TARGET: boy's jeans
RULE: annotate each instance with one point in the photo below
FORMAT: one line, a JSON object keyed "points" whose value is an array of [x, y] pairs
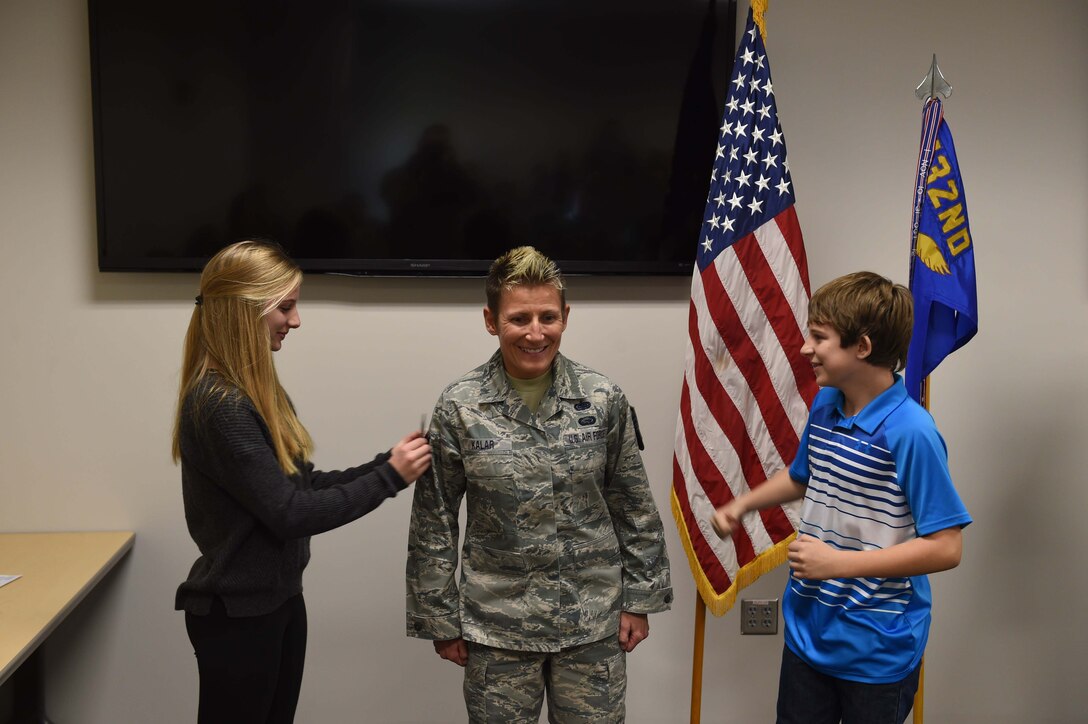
{"points": [[805, 696]]}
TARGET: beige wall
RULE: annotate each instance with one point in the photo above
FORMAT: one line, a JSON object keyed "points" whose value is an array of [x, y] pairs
{"points": [[89, 368]]}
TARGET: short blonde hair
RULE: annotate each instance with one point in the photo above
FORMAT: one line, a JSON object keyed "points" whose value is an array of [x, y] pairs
{"points": [[227, 332], [867, 304], [522, 266]]}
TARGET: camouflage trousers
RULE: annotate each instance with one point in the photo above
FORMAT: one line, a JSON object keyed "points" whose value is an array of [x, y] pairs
{"points": [[584, 684]]}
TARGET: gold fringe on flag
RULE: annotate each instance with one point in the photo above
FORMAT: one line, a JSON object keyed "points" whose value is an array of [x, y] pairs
{"points": [[720, 603]]}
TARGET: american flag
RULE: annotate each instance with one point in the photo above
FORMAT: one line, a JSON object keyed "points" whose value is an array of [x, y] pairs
{"points": [[747, 389]]}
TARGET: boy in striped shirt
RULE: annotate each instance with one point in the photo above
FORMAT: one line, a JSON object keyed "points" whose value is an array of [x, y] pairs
{"points": [[879, 513]]}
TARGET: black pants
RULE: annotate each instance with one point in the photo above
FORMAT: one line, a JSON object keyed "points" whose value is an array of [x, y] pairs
{"points": [[251, 667], [805, 696]]}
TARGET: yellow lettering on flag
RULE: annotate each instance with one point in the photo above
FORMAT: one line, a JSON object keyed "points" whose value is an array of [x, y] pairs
{"points": [[952, 193], [952, 218], [939, 169], [959, 241]]}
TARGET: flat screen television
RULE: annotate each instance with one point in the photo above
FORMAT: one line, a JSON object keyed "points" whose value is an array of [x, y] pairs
{"points": [[407, 137]]}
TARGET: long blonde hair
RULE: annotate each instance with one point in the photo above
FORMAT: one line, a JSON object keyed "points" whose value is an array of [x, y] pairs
{"points": [[227, 333]]}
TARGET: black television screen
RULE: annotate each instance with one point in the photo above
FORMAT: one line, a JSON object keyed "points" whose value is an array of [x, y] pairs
{"points": [[407, 136]]}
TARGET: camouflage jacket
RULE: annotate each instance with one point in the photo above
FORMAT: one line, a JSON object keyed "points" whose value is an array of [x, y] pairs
{"points": [[562, 533]]}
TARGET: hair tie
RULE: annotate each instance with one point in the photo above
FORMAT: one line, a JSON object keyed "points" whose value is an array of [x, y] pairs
{"points": [[199, 299]]}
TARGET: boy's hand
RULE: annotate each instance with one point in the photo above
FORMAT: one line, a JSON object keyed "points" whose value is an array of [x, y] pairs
{"points": [[726, 519], [812, 558]]}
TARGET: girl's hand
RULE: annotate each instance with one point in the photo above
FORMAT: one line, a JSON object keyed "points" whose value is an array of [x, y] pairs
{"points": [[411, 457]]}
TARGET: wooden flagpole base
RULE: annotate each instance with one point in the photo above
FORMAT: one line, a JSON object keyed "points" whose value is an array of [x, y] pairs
{"points": [[697, 660], [919, 696]]}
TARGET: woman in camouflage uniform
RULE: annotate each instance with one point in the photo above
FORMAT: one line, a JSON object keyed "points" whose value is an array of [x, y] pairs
{"points": [[564, 553]]}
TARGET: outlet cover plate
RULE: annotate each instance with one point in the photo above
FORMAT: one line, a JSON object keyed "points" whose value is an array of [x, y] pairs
{"points": [[759, 616]]}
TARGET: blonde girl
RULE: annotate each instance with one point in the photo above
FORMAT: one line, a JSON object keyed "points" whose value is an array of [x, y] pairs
{"points": [[252, 497]]}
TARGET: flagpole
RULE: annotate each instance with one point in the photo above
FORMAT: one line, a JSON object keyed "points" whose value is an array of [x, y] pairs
{"points": [[933, 85], [920, 694], [700, 604], [714, 453], [697, 659]]}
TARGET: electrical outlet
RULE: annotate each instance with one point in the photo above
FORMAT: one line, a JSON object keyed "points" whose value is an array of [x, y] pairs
{"points": [[759, 616]]}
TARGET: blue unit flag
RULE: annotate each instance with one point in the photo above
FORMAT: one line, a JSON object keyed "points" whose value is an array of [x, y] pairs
{"points": [[942, 268]]}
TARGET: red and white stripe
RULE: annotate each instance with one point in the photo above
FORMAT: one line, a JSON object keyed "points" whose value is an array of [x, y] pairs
{"points": [[746, 394]]}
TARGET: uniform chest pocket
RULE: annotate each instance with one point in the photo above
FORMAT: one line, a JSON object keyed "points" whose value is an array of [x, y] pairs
{"points": [[587, 458], [490, 464], [586, 448]]}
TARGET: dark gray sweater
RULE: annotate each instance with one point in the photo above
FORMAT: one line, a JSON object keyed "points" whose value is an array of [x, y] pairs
{"points": [[251, 521]]}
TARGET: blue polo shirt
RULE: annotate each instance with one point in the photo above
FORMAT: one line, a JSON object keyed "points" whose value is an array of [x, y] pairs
{"points": [[872, 480]]}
